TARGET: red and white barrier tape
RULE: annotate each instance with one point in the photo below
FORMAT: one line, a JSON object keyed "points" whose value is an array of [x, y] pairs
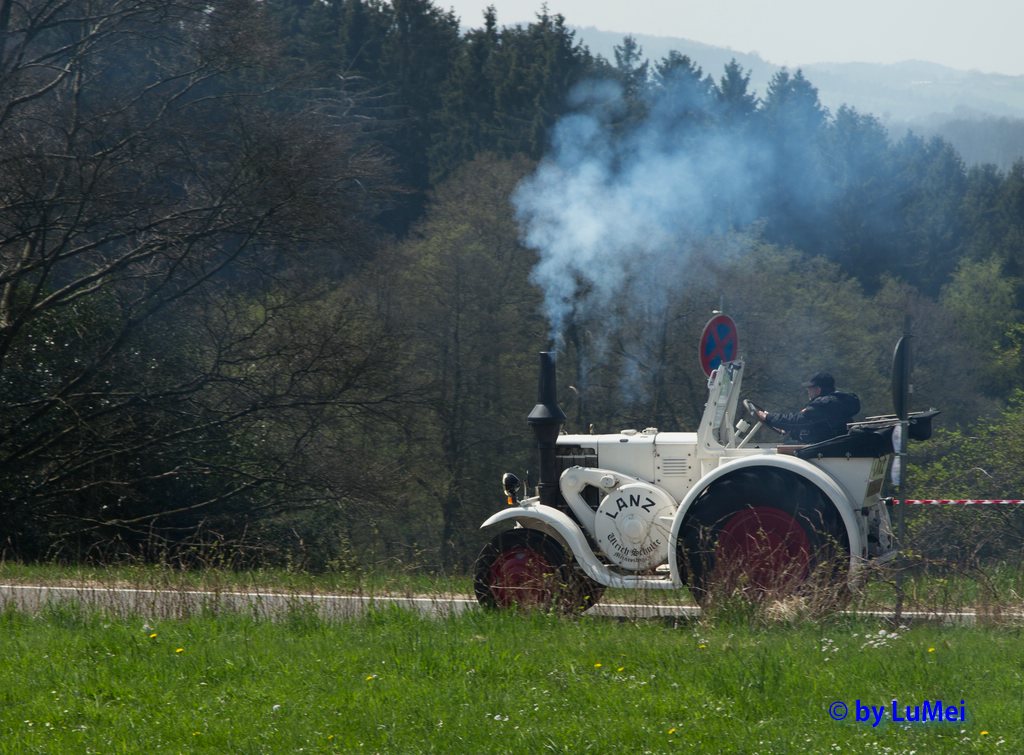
{"points": [[964, 501]]}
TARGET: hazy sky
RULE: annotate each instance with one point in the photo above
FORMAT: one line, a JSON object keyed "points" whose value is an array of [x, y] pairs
{"points": [[983, 35]]}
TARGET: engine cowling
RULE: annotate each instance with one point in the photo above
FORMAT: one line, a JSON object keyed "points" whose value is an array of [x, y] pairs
{"points": [[633, 526]]}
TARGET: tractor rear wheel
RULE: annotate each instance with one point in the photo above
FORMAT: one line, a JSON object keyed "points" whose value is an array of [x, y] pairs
{"points": [[527, 569], [762, 533]]}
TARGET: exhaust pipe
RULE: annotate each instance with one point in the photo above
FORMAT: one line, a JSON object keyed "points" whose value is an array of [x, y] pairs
{"points": [[546, 420]]}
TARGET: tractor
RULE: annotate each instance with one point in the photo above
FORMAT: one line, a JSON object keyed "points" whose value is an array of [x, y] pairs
{"points": [[653, 510]]}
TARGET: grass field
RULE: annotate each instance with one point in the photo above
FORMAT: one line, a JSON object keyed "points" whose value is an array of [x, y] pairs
{"points": [[75, 680]]}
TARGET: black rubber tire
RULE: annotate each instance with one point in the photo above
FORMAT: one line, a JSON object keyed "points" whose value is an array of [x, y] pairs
{"points": [[530, 570], [764, 532]]}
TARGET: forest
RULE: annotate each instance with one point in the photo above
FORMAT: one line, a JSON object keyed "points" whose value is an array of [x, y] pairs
{"points": [[274, 273]]}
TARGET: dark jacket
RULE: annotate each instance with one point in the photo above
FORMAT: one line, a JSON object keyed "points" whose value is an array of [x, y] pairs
{"points": [[824, 417]]}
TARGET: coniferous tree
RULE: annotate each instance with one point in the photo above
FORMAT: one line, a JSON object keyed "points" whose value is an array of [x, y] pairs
{"points": [[930, 180], [983, 223], [632, 69], [362, 33], [1009, 220], [738, 104], [418, 50], [466, 124], [538, 68], [681, 91], [863, 220], [798, 195]]}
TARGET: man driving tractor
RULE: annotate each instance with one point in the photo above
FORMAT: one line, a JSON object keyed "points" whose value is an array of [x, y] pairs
{"points": [[825, 416]]}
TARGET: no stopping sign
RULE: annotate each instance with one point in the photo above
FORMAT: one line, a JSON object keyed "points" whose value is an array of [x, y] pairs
{"points": [[718, 343]]}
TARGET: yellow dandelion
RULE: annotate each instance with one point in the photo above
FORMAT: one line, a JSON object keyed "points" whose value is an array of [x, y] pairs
{"points": [[702, 647], [672, 730], [180, 650], [621, 669], [984, 733], [597, 665], [152, 636], [931, 650]]}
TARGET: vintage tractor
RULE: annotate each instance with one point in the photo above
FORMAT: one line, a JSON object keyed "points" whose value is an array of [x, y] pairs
{"points": [[662, 510]]}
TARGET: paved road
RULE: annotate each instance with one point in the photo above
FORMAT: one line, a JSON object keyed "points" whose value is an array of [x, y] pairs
{"points": [[158, 604], [181, 603]]}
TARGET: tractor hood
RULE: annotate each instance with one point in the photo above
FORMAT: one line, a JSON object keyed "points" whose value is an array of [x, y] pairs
{"points": [[668, 459]]}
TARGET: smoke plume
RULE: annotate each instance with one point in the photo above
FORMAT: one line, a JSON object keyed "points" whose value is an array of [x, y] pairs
{"points": [[616, 207]]}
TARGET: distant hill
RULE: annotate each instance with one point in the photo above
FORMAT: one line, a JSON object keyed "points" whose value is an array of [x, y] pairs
{"points": [[981, 114]]}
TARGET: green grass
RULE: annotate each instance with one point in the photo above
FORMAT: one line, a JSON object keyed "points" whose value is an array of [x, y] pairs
{"points": [[942, 586], [73, 680]]}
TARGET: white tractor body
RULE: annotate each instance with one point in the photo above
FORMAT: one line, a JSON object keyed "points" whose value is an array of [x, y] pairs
{"points": [[627, 503]]}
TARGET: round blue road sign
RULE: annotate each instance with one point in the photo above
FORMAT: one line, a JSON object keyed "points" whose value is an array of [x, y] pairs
{"points": [[719, 343]]}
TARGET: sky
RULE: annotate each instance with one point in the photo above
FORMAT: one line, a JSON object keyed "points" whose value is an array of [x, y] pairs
{"points": [[979, 35]]}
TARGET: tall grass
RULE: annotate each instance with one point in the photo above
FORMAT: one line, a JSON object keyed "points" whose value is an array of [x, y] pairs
{"points": [[78, 680]]}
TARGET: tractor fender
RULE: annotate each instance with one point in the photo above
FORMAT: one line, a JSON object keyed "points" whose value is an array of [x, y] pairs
{"points": [[808, 471], [534, 515]]}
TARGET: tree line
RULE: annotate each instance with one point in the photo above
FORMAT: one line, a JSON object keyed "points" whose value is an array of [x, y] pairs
{"points": [[264, 288]]}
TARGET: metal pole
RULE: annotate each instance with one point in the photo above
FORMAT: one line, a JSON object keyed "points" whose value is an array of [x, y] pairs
{"points": [[901, 391]]}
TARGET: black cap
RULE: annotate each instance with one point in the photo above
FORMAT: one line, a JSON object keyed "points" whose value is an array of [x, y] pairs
{"points": [[822, 380]]}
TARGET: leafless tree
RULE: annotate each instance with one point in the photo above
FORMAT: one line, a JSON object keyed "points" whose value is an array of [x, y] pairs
{"points": [[180, 216]]}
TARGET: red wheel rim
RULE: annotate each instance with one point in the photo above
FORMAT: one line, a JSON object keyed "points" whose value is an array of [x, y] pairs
{"points": [[521, 576], [765, 545]]}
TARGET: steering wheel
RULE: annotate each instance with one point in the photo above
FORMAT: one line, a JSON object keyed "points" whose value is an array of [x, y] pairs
{"points": [[752, 409]]}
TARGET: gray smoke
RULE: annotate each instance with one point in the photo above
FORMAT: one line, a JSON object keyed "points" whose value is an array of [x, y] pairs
{"points": [[615, 211]]}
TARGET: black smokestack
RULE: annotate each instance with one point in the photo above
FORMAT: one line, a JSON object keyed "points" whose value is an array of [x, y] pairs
{"points": [[546, 420]]}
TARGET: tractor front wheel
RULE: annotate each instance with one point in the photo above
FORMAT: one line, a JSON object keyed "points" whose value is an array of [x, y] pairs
{"points": [[527, 569]]}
